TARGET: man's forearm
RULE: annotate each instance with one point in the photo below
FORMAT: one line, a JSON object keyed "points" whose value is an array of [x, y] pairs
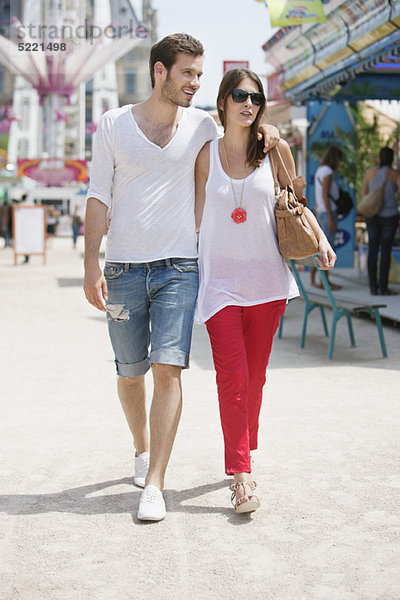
{"points": [[95, 226]]}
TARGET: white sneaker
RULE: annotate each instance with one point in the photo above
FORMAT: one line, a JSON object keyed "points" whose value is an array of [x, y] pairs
{"points": [[141, 468], [151, 505]]}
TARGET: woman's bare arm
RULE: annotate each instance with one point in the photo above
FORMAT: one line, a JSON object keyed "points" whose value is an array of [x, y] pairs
{"points": [[328, 257], [288, 160], [366, 182], [201, 176], [326, 186]]}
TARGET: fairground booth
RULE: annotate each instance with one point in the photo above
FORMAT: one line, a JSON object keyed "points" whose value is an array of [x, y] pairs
{"points": [[328, 68]]}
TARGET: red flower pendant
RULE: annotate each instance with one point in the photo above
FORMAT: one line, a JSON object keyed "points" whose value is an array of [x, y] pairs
{"points": [[239, 215]]}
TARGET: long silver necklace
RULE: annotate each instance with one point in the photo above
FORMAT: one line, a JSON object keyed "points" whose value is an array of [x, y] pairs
{"points": [[239, 215]]}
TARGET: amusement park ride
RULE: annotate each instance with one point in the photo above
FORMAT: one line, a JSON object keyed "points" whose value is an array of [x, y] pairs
{"points": [[54, 50]]}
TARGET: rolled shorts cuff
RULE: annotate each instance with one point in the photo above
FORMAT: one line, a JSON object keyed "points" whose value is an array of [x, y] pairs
{"points": [[134, 369], [170, 356]]}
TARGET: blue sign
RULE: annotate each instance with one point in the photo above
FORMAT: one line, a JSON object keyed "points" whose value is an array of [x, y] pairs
{"points": [[323, 118]]}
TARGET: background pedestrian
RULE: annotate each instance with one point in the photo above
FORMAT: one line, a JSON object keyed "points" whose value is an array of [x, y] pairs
{"points": [[382, 227], [326, 192]]}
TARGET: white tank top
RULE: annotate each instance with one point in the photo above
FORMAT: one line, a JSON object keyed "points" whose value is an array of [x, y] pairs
{"points": [[239, 264]]}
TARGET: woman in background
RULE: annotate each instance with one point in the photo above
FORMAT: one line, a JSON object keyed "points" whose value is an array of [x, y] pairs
{"points": [[382, 228], [326, 193], [76, 222]]}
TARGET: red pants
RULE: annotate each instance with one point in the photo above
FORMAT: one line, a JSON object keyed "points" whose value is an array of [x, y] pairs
{"points": [[241, 341]]}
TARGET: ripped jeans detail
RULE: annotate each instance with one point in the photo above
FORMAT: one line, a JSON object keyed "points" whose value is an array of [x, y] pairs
{"points": [[117, 312]]}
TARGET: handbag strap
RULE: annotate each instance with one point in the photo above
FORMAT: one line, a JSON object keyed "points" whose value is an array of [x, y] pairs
{"points": [[382, 186], [274, 152], [271, 160]]}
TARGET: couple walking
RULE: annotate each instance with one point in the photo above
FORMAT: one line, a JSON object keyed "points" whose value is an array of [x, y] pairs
{"points": [[160, 170]]}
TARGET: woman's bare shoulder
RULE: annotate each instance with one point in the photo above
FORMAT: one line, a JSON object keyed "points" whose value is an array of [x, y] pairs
{"points": [[283, 145], [370, 174], [394, 176]]}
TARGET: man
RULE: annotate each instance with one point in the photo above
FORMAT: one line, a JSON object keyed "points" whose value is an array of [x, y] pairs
{"points": [[145, 154], [6, 223]]}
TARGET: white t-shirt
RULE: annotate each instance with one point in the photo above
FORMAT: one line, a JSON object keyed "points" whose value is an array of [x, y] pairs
{"points": [[240, 264], [322, 172], [149, 190]]}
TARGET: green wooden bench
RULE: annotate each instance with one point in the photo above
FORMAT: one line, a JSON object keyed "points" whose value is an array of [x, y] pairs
{"points": [[341, 307]]}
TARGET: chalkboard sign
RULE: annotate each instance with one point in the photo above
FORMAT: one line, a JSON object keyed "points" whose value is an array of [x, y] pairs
{"points": [[29, 230]]}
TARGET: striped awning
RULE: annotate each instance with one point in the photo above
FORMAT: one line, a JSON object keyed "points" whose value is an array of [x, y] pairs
{"points": [[311, 61]]}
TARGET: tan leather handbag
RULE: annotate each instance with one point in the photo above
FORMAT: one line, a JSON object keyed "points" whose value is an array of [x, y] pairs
{"points": [[296, 238], [371, 203]]}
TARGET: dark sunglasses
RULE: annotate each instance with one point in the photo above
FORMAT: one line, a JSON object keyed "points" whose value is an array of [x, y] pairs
{"points": [[241, 96]]}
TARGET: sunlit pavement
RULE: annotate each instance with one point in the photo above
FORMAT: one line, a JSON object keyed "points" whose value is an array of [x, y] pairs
{"points": [[327, 465]]}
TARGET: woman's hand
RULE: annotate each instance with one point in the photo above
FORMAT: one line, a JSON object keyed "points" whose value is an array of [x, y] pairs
{"points": [[327, 258], [270, 134]]}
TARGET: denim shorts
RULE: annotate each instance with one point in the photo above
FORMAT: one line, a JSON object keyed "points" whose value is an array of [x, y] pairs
{"points": [[150, 310]]}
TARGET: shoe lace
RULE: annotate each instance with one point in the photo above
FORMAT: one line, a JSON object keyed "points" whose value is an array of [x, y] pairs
{"points": [[143, 464], [151, 496]]}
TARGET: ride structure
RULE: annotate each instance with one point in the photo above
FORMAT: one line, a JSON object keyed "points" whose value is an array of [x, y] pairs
{"points": [[57, 47]]}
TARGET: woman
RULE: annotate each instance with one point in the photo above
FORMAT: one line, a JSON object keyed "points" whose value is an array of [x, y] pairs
{"points": [[326, 193], [244, 282], [382, 228], [52, 221]]}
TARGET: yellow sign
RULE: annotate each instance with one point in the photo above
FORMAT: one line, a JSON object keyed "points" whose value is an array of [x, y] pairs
{"points": [[3, 158], [295, 12]]}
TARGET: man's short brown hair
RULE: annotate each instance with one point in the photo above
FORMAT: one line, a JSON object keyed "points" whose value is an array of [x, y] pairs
{"points": [[167, 49]]}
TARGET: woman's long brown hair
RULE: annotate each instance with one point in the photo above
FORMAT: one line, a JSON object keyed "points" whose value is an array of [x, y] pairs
{"points": [[332, 157], [231, 80]]}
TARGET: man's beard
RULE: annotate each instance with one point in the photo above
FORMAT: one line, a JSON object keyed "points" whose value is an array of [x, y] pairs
{"points": [[170, 92]]}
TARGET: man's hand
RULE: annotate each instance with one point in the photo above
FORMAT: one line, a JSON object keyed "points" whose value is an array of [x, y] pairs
{"points": [[95, 287], [328, 258], [270, 134]]}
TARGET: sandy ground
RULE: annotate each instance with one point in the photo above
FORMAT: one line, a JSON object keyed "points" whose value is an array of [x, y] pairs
{"points": [[327, 467]]}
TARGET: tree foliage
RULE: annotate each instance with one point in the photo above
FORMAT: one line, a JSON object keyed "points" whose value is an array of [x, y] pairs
{"points": [[360, 148], [4, 142]]}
